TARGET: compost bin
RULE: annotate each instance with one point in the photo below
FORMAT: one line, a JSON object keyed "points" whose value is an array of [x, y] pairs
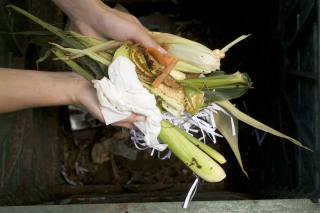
{"points": [[55, 156]]}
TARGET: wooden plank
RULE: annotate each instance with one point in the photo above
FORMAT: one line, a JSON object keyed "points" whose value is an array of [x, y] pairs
{"points": [[294, 205]]}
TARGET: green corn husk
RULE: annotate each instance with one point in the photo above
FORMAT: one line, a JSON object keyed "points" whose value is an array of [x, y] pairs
{"points": [[224, 125], [73, 65], [222, 87], [220, 81], [207, 149], [70, 41], [199, 162], [252, 122], [87, 52]]}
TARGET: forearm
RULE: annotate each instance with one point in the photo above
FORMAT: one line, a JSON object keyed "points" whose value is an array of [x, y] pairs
{"points": [[21, 89]]}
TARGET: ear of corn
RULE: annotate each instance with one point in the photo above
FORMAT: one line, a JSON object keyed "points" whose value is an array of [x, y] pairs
{"points": [[191, 155], [179, 76], [171, 105], [222, 86], [207, 149], [194, 56]]}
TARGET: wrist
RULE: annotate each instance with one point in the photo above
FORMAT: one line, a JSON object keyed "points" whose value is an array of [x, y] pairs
{"points": [[84, 95], [77, 86]]}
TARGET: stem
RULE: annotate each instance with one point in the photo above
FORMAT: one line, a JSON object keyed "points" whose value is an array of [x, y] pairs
{"points": [[226, 48]]}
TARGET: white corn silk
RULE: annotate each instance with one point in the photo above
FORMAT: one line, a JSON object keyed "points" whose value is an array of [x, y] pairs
{"points": [[122, 94]]}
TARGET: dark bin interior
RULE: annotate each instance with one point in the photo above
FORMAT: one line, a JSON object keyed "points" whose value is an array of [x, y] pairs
{"points": [[45, 161]]}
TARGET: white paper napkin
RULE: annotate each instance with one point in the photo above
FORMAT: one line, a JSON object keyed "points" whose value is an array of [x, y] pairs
{"points": [[122, 94]]}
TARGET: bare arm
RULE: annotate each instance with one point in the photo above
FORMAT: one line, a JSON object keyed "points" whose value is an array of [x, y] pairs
{"points": [[21, 89]]}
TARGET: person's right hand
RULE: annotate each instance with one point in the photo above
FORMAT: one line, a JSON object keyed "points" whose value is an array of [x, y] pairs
{"points": [[96, 19]]}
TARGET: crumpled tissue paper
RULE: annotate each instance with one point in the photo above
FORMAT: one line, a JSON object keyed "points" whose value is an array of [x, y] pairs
{"points": [[122, 94]]}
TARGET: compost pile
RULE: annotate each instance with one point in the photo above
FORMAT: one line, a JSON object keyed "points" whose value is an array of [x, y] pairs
{"points": [[108, 156]]}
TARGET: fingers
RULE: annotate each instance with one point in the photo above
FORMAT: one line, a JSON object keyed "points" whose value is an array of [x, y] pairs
{"points": [[128, 122], [87, 30], [146, 41], [126, 125], [85, 96], [140, 35], [136, 31], [134, 118]]}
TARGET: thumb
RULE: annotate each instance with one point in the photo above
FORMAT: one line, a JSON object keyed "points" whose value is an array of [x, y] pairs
{"points": [[128, 122], [146, 41]]}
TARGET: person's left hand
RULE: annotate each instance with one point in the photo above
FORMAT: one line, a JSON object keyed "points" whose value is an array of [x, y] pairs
{"points": [[85, 96]]}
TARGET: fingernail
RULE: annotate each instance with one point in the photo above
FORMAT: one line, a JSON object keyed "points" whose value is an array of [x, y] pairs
{"points": [[161, 50], [140, 118]]}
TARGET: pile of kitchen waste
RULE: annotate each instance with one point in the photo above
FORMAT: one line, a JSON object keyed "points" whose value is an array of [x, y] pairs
{"points": [[183, 93]]}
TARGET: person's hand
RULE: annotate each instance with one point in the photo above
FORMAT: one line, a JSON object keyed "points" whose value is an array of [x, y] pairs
{"points": [[96, 19], [85, 96], [22, 89]]}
